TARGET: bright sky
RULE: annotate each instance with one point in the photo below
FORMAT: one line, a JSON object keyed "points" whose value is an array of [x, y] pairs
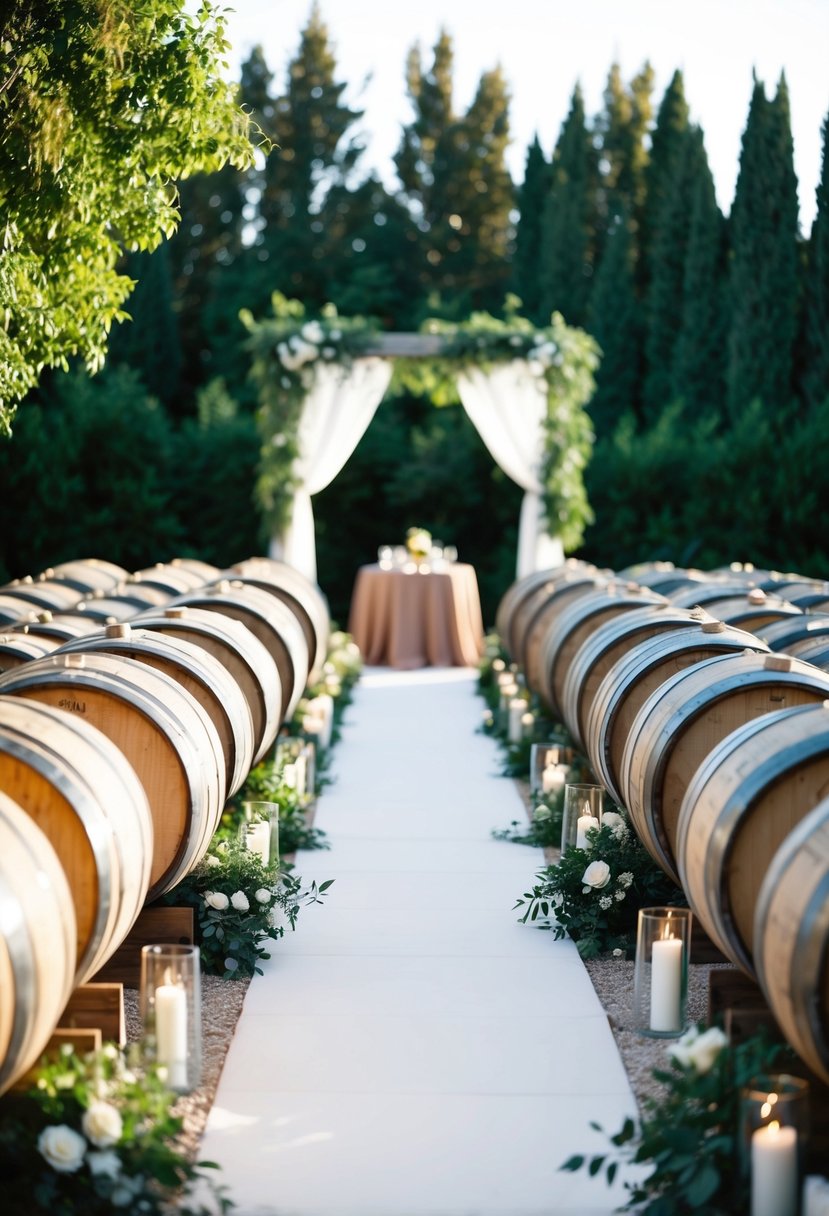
{"points": [[545, 46]]}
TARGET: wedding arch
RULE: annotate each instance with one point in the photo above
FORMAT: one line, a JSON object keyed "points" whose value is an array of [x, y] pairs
{"points": [[320, 381]]}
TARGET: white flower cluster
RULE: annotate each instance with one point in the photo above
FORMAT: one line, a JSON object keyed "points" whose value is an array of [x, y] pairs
{"points": [[67, 1150], [698, 1049], [306, 346], [239, 901], [542, 355], [616, 823]]}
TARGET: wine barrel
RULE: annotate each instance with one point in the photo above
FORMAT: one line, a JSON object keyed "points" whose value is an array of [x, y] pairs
{"points": [[15, 611], [207, 572], [165, 734], [754, 611], [17, 648], [510, 625], [140, 595], [685, 717], [609, 643], [783, 635], [104, 610], [750, 792], [633, 678], [271, 621], [664, 577], [807, 594], [813, 650], [791, 935], [37, 942], [58, 628], [236, 648], [706, 594], [88, 575], [304, 598], [37, 596], [170, 577], [204, 677], [86, 798], [544, 612], [574, 624]]}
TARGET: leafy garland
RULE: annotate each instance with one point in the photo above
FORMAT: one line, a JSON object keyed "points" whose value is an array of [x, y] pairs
{"points": [[286, 348]]}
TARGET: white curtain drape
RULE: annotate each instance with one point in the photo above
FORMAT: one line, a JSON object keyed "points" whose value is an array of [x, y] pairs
{"points": [[334, 418], [507, 405]]}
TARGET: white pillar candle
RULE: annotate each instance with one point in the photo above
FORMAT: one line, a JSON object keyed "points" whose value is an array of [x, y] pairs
{"points": [[584, 823], [774, 1171], [527, 724], [552, 779], [289, 776], [171, 1033], [516, 713], [258, 840], [666, 984], [301, 769]]}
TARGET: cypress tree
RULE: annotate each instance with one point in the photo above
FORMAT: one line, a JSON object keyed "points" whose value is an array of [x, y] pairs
{"points": [[663, 305], [567, 247], [456, 185], [666, 149], [763, 274], [621, 127], [526, 265], [816, 372], [311, 124], [614, 320], [699, 362]]}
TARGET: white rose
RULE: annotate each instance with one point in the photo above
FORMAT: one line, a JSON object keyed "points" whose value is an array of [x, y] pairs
{"points": [[611, 820], [105, 1165], [240, 901], [596, 875], [698, 1051], [541, 813], [263, 895], [215, 899], [102, 1124], [211, 861], [312, 331], [62, 1147]]}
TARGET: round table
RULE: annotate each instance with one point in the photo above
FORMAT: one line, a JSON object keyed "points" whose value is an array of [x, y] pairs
{"points": [[417, 616]]}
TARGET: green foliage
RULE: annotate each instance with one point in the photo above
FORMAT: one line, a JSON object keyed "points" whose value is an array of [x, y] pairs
{"points": [[149, 341], [113, 1120], [615, 321], [763, 232], [531, 201], [690, 1133], [102, 106], [568, 237], [816, 355], [599, 917], [239, 904]]}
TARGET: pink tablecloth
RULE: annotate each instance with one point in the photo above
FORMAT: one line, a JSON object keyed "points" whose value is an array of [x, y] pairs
{"points": [[414, 618]]}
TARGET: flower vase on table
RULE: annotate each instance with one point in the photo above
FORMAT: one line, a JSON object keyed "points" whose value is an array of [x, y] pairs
{"points": [[418, 544]]}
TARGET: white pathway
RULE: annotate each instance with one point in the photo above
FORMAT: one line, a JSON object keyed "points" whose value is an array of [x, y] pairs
{"points": [[412, 1050]]}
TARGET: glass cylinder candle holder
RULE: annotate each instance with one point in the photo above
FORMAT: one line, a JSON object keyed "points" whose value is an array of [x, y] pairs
{"points": [[582, 812], [774, 1116], [549, 767], [660, 977], [815, 1199], [260, 830], [170, 1009]]}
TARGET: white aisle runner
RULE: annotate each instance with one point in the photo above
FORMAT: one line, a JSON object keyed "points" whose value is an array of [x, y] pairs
{"points": [[412, 1050]]}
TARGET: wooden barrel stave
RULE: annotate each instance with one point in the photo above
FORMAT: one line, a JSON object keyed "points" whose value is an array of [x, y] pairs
{"points": [[304, 598]]}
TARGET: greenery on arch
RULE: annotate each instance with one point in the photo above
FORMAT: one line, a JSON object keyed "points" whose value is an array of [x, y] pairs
{"points": [[288, 346]]}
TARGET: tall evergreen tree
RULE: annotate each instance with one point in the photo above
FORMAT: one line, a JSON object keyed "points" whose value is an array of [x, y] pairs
{"points": [[150, 342], [526, 263], [569, 223], [667, 146], [699, 361], [663, 305], [621, 127], [816, 371], [455, 183], [763, 272], [614, 320], [311, 124]]}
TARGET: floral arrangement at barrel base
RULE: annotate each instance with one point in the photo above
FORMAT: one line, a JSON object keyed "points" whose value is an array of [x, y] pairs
{"points": [[240, 904], [594, 894], [543, 831], [690, 1133], [94, 1135]]}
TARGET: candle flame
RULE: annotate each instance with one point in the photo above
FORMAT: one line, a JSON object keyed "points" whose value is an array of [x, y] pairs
{"points": [[774, 1127]]}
